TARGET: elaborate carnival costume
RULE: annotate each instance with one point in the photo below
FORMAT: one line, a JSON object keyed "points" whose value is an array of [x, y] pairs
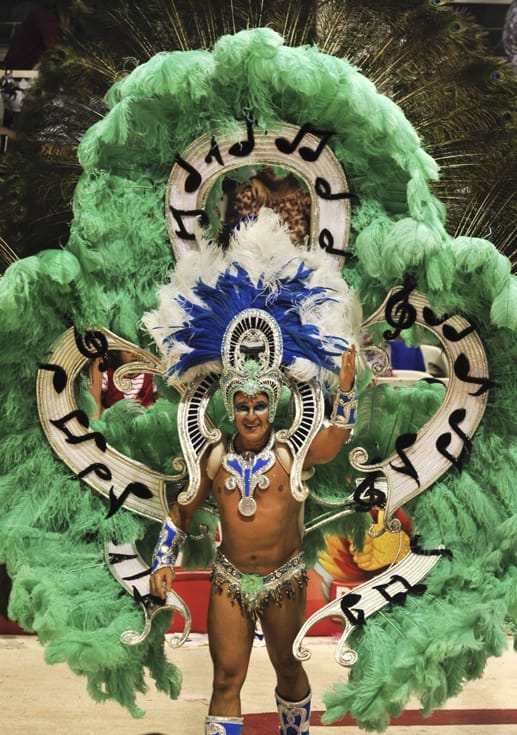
{"points": [[454, 440], [253, 326]]}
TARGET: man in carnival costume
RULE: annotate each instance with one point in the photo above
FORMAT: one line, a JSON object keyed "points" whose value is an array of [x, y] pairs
{"points": [[259, 572]]}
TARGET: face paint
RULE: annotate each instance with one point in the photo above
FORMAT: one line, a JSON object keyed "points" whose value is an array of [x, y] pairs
{"points": [[251, 418]]}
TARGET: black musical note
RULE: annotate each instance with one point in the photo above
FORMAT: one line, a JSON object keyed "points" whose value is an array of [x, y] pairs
{"points": [[431, 318], [400, 597], [326, 242], [133, 488], [138, 575], [444, 440], [404, 441], [178, 215], [91, 344], [417, 549], [323, 190], [193, 180], [143, 599], [399, 312], [462, 371], [102, 472], [214, 152], [244, 147], [346, 604], [82, 418], [451, 334], [59, 379], [308, 154], [147, 600], [368, 496], [117, 558]]}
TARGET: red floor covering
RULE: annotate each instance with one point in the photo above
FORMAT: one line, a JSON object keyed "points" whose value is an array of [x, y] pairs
{"points": [[262, 724]]}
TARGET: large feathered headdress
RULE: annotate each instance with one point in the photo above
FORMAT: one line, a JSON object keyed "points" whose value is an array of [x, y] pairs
{"points": [[293, 302]]}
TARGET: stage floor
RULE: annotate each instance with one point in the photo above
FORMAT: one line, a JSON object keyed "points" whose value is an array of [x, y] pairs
{"points": [[50, 700]]}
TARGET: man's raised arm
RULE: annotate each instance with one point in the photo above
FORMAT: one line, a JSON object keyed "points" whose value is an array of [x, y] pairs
{"points": [[327, 443]]}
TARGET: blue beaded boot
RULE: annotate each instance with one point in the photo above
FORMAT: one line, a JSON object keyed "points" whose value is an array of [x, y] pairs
{"points": [[223, 725], [295, 717]]}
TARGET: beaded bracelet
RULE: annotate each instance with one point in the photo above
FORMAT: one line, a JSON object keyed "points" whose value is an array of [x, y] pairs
{"points": [[167, 547], [344, 409]]}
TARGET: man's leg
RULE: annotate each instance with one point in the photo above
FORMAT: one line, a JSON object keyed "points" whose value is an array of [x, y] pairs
{"points": [[230, 636], [280, 626]]}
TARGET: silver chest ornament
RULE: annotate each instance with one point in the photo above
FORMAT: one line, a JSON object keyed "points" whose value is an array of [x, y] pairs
{"points": [[247, 471]]}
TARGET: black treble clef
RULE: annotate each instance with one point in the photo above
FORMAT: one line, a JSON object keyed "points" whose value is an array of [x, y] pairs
{"points": [[399, 312], [92, 344]]}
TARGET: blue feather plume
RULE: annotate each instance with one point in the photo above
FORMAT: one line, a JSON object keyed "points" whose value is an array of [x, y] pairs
{"points": [[205, 324]]}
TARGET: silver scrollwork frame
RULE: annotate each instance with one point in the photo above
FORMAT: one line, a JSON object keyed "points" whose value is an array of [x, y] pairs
{"points": [[195, 173], [456, 420], [69, 434]]}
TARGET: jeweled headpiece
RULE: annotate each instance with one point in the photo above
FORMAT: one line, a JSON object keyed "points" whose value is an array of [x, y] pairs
{"points": [[251, 353]]}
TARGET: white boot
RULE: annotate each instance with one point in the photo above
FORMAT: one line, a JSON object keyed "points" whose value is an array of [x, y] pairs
{"points": [[295, 717], [223, 725]]}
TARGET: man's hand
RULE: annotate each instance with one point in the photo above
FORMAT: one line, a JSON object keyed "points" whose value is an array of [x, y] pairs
{"points": [[161, 581], [347, 370]]}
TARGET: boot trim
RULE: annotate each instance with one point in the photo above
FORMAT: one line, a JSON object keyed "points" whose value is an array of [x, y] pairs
{"points": [[215, 725]]}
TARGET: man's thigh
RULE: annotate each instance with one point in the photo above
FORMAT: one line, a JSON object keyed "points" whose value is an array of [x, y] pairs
{"points": [[230, 633], [281, 624]]}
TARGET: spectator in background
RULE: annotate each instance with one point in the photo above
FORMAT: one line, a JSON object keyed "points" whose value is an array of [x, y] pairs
{"points": [[395, 354], [37, 32], [40, 30], [403, 357], [106, 393], [281, 191]]}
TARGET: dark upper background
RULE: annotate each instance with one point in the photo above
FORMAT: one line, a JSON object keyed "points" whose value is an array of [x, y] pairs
{"points": [[488, 14]]}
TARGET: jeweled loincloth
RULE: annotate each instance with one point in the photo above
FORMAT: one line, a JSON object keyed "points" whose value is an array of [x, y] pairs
{"points": [[254, 592]]}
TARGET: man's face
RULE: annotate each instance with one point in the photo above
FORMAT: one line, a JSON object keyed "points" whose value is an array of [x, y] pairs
{"points": [[251, 417]]}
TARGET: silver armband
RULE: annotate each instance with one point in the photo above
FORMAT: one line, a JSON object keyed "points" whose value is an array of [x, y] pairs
{"points": [[168, 546], [343, 414]]}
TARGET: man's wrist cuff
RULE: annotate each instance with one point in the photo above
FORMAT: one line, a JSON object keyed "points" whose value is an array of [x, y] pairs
{"points": [[168, 545], [344, 411]]}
